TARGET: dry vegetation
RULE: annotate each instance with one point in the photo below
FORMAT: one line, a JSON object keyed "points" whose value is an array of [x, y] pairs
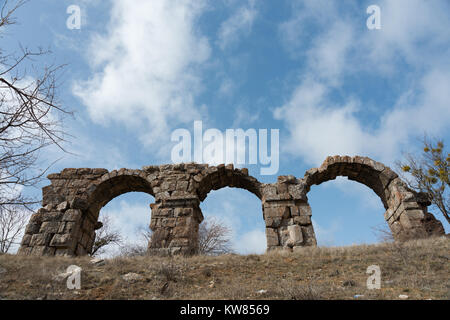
{"points": [[419, 269]]}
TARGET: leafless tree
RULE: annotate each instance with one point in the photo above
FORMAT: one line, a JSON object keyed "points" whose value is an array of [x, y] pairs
{"points": [[106, 235], [13, 220], [140, 248], [214, 238], [383, 233], [30, 116]]}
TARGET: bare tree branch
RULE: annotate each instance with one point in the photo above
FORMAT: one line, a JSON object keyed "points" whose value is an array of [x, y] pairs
{"points": [[214, 238], [105, 236], [13, 220], [30, 116]]}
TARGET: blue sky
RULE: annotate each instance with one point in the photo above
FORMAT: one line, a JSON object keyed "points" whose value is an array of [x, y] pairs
{"points": [[137, 70]]}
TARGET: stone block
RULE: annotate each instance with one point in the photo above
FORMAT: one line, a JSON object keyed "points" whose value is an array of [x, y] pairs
{"points": [[72, 215], [32, 228], [409, 222], [416, 214], [40, 239], [49, 227], [305, 209], [62, 206], [297, 191], [302, 220], [42, 251], [273, 222], [179, 242], [309, 236], [295, 211], [282, 188], [295, 236], [78, 203], [272, 237], [52, 216], [26, 240], [69, 227], [61, 241]]}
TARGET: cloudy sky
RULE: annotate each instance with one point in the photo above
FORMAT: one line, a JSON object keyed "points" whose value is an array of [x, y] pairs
{"points": [[137, 70]]}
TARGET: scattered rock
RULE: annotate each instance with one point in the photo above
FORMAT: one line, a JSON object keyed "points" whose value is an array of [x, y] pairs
{"points": [[132, 277], [2, 270], [262, 291], [349, 283]]}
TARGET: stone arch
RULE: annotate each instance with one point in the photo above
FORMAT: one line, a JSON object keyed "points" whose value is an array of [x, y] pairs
{"points": [[98, 194], [215, 178], [66, 223], [222, 176], [371, 173], [114, 184], [406, 210]]}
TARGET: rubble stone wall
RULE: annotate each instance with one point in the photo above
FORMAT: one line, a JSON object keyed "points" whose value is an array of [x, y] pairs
{"points": [[66, 223]]}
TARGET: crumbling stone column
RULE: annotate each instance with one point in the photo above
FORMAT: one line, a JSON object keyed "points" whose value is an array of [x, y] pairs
{"points": [[287, 215], [407, 214], [62, 226], [175, 223]]}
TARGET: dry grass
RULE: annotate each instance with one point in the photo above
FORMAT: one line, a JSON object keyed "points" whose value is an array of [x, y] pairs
{"points": [[419, 269]]}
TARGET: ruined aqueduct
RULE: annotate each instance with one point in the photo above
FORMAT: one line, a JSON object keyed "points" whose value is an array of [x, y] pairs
{"points": [[66, 223]]}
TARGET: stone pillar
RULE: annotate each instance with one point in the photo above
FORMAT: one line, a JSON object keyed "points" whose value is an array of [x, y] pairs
{"points": [[53, 230], [58, 227], [175, 223], [287, 215], [408, 215]]}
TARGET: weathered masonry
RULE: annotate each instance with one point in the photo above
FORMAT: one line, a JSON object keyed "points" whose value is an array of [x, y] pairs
{"points": [[66, 223]]}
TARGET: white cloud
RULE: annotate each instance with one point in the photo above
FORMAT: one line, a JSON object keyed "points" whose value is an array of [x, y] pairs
{"points": [[411, 31], [252, 242], [318, 126], [326, 236], [328, 54], [86, 151], [238, 25], [146, 67], [242, 215], [243, 117], [294, 33], [362, 196], [227, 87], [128, 219]]}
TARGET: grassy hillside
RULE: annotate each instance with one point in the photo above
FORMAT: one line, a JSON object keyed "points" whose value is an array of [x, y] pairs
{"points": [[418, 269]]}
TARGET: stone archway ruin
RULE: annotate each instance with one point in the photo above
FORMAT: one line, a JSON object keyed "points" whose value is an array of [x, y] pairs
{"points": [[66, 223]]}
